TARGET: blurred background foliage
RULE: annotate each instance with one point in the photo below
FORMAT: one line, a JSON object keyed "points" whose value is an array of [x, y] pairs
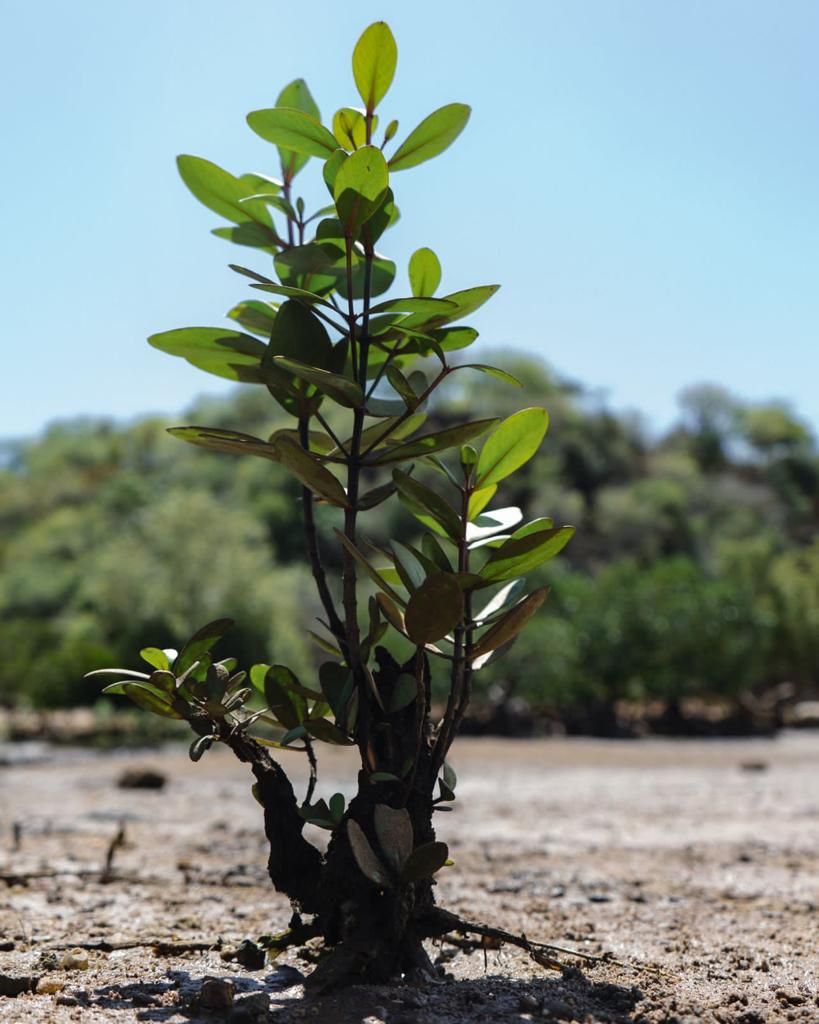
{"points": [[694, 572]]}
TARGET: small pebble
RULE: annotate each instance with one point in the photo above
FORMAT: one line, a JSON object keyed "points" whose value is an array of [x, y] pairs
{"points": [[74, 960], [216, 994], [49, 986], [141, 778]]}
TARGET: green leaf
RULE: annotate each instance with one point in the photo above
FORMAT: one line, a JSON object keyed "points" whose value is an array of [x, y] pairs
{"points": [[337, 804], [435, 553], [410, 570], [491, 371], [415, 305], [341, 389], [496, 521], [508, 595], [257, 236], [220, 191], [439, 441], [147, 699], [360, 187], [366, 858], [431, 137], [392, 613], [511, 624], [424, 272], [202, 641], [510, 446], [393, 828], [255, 316], [199, 746], [374, 60], [224, 353], [327, 732], [297, 96], [310, 472], [521, 554], [155, 657], [350, 128], [286, 704], [230, 442], [296, 334], [424, 861], [373, 498], [478, 500], [450, 778], [427, 505], [293, 129], [434, 609]]}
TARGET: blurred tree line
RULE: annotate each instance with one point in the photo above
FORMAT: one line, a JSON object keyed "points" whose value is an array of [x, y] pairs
{"points": [[694, 572]]}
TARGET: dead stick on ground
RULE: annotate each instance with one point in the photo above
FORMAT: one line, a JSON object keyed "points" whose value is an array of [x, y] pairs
{"points": [[539, 951]]}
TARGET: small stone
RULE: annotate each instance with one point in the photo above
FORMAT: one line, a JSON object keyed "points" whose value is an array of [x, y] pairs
{"points": [[141, 778], [251, 1007], [74, 960], [6, 946], [216, 994], [380, 1012], [49, 986], [48, 960], [528, 1004]]}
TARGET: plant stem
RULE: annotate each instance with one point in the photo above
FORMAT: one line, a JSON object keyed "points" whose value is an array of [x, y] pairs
{"points": [[461, 679], [313, 553]]}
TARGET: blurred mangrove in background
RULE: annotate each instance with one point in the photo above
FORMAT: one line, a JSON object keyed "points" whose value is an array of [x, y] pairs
{"points": [[694, 573]]}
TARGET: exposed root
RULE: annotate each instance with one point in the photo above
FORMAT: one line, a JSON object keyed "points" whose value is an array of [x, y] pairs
{"points": [[442, 924]]}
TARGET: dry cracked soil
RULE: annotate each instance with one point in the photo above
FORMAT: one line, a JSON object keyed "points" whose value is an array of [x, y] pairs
{"points": [[694, 864]]}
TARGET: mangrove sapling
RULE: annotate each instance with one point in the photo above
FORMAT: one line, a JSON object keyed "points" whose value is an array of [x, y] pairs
{"points": [[355, 372]]}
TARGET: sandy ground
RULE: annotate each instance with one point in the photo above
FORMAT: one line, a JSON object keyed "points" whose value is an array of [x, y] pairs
{"points": [[700, 858]]}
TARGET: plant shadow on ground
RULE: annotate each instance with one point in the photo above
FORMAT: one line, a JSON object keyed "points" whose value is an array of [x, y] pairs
{"points": [[571, 997]]}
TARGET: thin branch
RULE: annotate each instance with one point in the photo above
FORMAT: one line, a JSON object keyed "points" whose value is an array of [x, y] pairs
{"points": [[311, 757], [331, 432], [410, 412], [313, 553], [438, 923]]}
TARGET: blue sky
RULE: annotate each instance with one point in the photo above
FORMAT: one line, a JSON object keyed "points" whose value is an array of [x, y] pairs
{"points": [[641, 177]]}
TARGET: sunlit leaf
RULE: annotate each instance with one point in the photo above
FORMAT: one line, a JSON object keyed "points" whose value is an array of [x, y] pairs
{"points": [[255, 316], [489, 523], [374, 60], [521, 554], [297, 96], [155, 657], [360, 187], [424, 272], [511, 445], [220, 191], [293, 129], [431, 137], [202, 641], [222, 352], [350, 128]]}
